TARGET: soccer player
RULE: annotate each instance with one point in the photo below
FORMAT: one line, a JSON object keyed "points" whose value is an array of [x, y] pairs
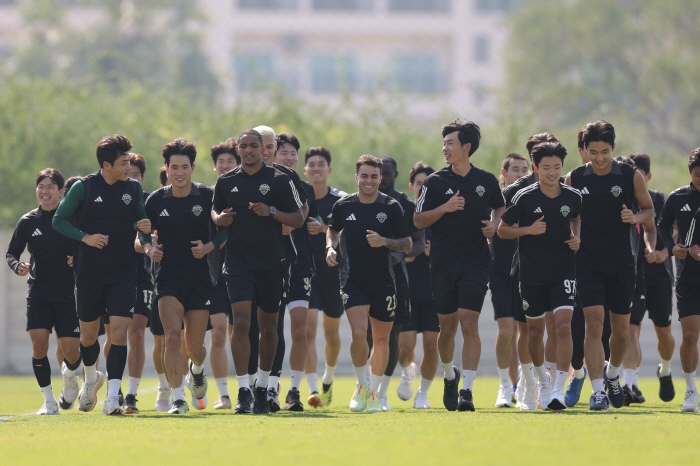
{"points": [[681, 209], [514, 167], [325, 285], [108, 206], [225, 159], [254, 200], [455, 201], [605, 263], [50, 300], [546, 246], [403, 305], [372, 225], [424, 318]]}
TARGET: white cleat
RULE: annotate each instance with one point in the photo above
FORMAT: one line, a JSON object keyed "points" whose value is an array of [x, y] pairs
{"points": [[163, 398], [420, 401], [503, 400], [529, 401], [556, 402], [50, 407], [519, 393], [111, 406], [690, 403], [405, 388], [223, 403], [384, 402], [545, 394], [88, 393], [70, 391]]}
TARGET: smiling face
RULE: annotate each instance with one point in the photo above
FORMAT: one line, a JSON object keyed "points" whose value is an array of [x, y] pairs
{"points": [[287, 155], [453, 150], [317, 169], [48, 194], [225, 163], [249, 150], [268, 150], [600, 154], [120, 170], [549, 170], [695, 177], [180, 171], [368, 178], [135, 173]]}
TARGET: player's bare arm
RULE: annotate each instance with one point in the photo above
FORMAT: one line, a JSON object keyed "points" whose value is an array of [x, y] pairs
{"points": [[428, 217]]}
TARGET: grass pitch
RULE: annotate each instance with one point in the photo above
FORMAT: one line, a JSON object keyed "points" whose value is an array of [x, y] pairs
{"points": [[651, 433]]}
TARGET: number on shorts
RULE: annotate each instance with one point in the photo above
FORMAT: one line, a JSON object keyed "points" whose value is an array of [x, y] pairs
{"points": [[570, 286], [391, 303], [307, 283], [147, 297]]}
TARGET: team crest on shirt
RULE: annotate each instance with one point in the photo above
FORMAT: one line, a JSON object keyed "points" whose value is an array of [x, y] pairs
{"points": [[126, 198], [264, 188], [480, 190], [381, 216], [525, 305], [565, 210], [197, 210], [616, 190]]}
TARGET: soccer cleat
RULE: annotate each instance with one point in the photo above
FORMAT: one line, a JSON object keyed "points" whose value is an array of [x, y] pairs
{"points": [[88, 393], [63, 404], [70, 391], [690, 403], [529, 401], [599, 401], [450, 394], [629, 395], [405, 388], [666, 390], [260, 406], [49, 408], [163, 398], [519, 394], [197, 383], [223, 403], [178, 407], [245, 401], [465, 402], [514, 393], [315, 400], [120, 397], [504, 397], [573, 391], [111, 406], [638, 396], [384, 402], [130, 404], [373, 403], [327, 394], [293, 401], [273, 399], [544, 395], [614, 390], [420, 401], [358, 402], [557, 401]]}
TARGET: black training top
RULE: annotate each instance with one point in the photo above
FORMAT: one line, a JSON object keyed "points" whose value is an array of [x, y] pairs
{"points": [[409, 208], [299, 241], [255, 242], [419, 275], [360, 264], [459, 245], [508, 193], [679, 209], [50, 277], [545, 258], [101, 208], [318, 242], [658, 272], [607, 243]]}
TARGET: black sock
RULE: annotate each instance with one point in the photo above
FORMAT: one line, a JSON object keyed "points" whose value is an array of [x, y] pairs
{"points": [[73, 367], [393, 350], [42, 371], [90, 353], [116, 361]]}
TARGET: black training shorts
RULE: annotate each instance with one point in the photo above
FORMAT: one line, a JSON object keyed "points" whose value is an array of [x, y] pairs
{"points": [[48, 315], [460, 291]]}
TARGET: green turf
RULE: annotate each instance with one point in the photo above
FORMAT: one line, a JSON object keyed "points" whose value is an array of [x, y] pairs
{"points": [[652, 433]]}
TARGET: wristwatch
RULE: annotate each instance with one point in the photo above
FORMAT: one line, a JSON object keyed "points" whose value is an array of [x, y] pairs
{"points": [[273, 211]]}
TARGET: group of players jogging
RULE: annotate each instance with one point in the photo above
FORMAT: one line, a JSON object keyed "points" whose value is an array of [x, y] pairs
{"points": [[580, 257]]}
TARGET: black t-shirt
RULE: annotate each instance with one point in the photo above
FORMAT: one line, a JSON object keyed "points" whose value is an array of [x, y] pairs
{"points": [[419, 275], [318, 242], [179, 221], [458, 244], [50, 277], [508, 193], [409, 208], [299, 243], [679, 209], [360, 264], [545, 258], [255, 242], [655, 273], [607, 243]]}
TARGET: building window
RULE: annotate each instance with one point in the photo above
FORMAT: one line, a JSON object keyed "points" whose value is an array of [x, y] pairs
{"points": [[495, 5], [482, 49], [333, 73], [253, 72], [418, 73], [419, 5], [342, 5], [268, 4]]}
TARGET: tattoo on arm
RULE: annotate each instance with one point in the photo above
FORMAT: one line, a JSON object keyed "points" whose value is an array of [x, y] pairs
{"points": [[399, 245], [332, 237]]}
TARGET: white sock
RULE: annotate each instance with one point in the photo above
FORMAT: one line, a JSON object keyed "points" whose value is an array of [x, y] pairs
{"points": [[690, 380], [263, 377], [179, 393], [636, 377], [561, 380], [222, 385], [628, 376], [312, 380], [369, 369], [665, 367], [541, 372], [579, 373], [243, 381], [66, 372], [529, 374], [328, 374], [196, 369], [163, 381], [612, 371], [552, 369], [468, 379], [47, 391], [133, 385], [91, 374], [374, 381], [361, 374], [251, 379], [273, 382], [424, 385], [113, 386], [598, 385], [503, 375], [384, 386], [297, 377], [449, 371]]}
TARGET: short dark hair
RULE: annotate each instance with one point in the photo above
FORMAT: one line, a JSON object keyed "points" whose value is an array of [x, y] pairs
{"points": [[370, 160], [548, 149], [70, 182], [510, 157], [599, 130], [139, 161], [579, 137], [626, 160], [163, 175], [110, 148], [53, 174], [694, 159], [468, 132], [287, 138], [320, 150], [389, 160], [642, 162], [228, 147], [539, 139], [251, 132], [419, 168], [179, 146]]}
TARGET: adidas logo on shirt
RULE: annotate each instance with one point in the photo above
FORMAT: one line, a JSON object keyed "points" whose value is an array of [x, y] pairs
{"points": [[37, 232], [585, 191], [538, 210], [235, 189], [99, 199], [449, 191], [208, 303], [77, 330], [351, 217], [686, 208], [164, 213]]}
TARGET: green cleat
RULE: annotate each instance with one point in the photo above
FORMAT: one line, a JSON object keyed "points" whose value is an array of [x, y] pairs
{"points": [[358, 402], [327, 394], [373, 403], [178, 407]]}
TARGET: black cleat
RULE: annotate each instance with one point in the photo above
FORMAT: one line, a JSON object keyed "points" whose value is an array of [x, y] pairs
{"points": [[450, 394], [130, 404], [613, 389], [638, 397], [245, 401], [465, 402], [121, 398], [63, 404], [260, 405], [629, 395], [273, 400], [666, 391], [293, 402]]}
